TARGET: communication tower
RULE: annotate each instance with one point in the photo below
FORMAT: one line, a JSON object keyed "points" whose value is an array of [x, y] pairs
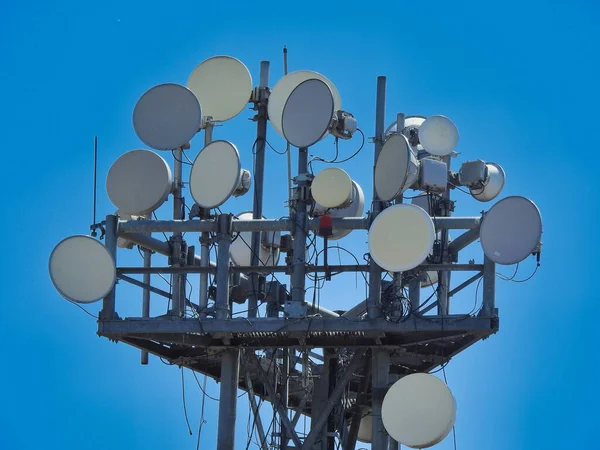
{"points": [[361, 373]]}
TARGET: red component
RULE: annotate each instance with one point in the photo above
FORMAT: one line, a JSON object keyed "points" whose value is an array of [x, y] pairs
{"points": [[325, 226]]}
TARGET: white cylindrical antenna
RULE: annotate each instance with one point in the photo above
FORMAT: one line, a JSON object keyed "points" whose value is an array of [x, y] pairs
{"points": [[492, 185]]}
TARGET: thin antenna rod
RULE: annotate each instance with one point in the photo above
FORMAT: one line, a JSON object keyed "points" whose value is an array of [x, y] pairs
{"points": [[95, 171]]}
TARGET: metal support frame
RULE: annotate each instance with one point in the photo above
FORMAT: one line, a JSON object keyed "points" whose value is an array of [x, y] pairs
{"points": [[146, 295], [205, 241], [489, 288], [295, 308], [255, 411], [357, 408], [177, 280], [383, 350], [462, 241], [259, 173], [126, 227], [444, 275], [285, 421], [230, 362], [380, 357], [110, 242], [333, 400], [146, 287]]}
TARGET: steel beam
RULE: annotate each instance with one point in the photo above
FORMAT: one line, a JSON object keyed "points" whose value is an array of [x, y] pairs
{"points": [[301, 326], [110, 242], [463, 240], [255, 411], [333, 399], [357, 408], [239, 226], [285, 421], [259, 174], [489, 288], [146, 287]]}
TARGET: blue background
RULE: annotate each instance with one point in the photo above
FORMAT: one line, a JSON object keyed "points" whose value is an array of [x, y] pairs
{"points": [[520, 79]]}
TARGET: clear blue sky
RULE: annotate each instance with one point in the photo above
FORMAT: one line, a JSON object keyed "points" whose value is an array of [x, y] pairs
{"points": [[520, 79]]}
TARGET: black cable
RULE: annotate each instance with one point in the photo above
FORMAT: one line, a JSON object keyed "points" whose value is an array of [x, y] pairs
{"points": [[461, 190], [186, 157], [164, 234], [201, 389], [506, 278], [529, 277], [202, 420], [187, 421], [273, 148], [453, 427], [179, 160], [335, 160], [83, 309]]}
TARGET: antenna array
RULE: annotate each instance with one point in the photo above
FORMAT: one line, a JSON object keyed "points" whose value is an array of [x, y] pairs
{"points": [[360, 373]]}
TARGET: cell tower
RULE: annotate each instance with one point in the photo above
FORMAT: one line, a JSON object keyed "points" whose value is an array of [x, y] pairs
{"points": [[359, 374]]}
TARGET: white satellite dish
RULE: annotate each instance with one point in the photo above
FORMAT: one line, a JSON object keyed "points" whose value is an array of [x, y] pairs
{"points": [[396, 169], [223, 86], [355, 209], [332, 188], [217, 174], [431, 277], [81, 269], [167, 116], [307, 113], [511, 230], [493, 184], [285, 86], [418, 410], [241, 247], [409, 122], [139, 182], [438, 135], [401, 237]]}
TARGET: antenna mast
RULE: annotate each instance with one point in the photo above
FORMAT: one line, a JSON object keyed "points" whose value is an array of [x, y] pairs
{"points": [[361, 373]]}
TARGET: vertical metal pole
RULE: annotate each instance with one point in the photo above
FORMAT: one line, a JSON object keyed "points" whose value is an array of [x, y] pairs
{"points": [[230, 372], [205, 241], [259, 174], [357, 409], [381, 358], [287, 144], [444, 277], [176, 279], [414, 293], [256, 412], [373, 300], [489, 287], [379, 385], [230, 362], [329, 428], [298, 277], [400, 122], [319, 400], [110, 242], [95, 183], [285, 387], [146, 296]]}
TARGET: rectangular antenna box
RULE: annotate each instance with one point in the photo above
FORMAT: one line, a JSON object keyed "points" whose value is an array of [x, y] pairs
{"points": [[433, 175]]}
